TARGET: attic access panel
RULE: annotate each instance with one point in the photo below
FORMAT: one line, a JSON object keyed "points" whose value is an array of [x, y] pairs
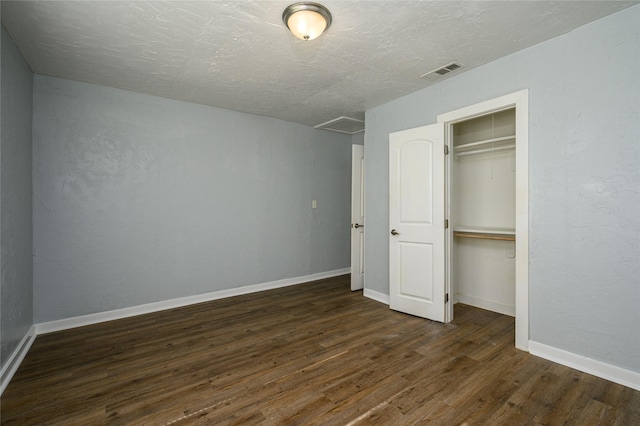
{"points": [[343, 125]]}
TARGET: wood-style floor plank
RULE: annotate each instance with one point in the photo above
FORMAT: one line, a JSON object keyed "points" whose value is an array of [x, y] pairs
{"points": [[312, 354]]}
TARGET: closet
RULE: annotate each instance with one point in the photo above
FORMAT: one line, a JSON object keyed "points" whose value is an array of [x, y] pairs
{"points": [[482, 201]]}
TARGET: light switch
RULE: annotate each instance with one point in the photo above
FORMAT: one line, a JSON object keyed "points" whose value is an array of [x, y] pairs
{"points": [[314, 204]]}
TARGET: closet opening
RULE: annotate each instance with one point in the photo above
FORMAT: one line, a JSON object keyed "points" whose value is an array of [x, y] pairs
{"points": [[483, 212], [505, 152], [487, 204]]}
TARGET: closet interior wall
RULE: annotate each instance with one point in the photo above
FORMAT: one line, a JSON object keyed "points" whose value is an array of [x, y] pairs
{"points": [[483, 212]]}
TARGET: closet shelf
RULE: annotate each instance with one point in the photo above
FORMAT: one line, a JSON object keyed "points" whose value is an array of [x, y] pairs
{"points": [[502, 234], [475, 145]]}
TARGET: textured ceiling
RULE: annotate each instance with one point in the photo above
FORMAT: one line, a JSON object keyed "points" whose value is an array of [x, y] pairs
{"points": [[238, 54]]}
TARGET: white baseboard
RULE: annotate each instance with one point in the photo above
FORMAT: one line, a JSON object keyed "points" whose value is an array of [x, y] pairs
{"points": [[376, 295], [16, 358], [489, 305], [67, 323], [597, 368]]}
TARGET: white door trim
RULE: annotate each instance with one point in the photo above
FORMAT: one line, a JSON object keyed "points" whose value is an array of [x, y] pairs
{"points": [[519, 100]]}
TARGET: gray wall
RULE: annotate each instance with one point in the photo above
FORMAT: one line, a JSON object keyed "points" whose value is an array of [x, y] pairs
{"points": [[139, 199], [16, 285], [357, 139], [584, 199]]}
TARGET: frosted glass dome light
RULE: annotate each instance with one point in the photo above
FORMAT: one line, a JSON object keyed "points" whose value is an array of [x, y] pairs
{"points": [[306, 20]]}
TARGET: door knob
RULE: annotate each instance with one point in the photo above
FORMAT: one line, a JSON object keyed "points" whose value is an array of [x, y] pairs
{"points": [[358, 226], [394, 232]]}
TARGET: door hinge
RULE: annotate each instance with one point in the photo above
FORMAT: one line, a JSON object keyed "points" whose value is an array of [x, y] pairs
{"points": [[446, 224], [446, 150], [446, 298]]}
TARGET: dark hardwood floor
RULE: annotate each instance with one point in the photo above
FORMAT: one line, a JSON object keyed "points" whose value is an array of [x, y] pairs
{"points": [[310, 354]]}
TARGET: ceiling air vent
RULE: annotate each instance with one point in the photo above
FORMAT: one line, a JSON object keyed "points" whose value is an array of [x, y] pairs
{"points": [[343, 125], [442, 70]]}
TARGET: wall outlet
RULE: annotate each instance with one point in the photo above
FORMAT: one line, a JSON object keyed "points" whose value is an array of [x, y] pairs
{"points": [[314, 204]]}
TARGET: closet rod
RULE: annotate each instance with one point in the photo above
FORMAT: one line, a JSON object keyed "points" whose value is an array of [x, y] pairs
{"points": [[483, 236], [484, 142], [479, 151]]}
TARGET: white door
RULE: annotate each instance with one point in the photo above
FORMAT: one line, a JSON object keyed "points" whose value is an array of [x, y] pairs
{"points": [[416, 222], [357, 217]]}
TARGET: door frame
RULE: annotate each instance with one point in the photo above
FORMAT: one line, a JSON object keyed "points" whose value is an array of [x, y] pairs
{"points": [[519, 100]]}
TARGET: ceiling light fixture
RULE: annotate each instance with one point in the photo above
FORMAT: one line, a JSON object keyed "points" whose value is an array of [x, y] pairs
{"points": [[306, 20]]}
